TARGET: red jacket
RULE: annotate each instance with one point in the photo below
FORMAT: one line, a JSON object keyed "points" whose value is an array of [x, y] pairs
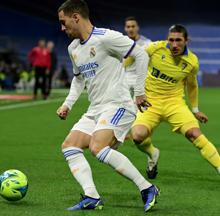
{"points": [[40, 57]]}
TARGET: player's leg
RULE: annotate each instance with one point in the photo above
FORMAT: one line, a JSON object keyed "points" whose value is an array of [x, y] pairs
{"points": [[185, 122], [49, 83], [107, 135], [72, 148], [44, 84], [141, 134], [141, 137], [37, 81], [207, 149]]}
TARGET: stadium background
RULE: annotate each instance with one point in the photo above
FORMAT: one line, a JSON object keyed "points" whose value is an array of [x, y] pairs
{"points": [[31, 134], [24, 22]]}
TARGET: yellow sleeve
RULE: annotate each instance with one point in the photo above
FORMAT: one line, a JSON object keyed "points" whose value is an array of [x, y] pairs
{"points": [[153, 46], [192, 86]]}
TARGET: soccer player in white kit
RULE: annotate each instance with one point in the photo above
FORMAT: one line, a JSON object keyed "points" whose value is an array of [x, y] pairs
{"points": [[131, 28], [97, 56]]}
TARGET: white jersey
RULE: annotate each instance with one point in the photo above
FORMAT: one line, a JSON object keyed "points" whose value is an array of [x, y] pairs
{"points": [[143, 42], [97, 66]]}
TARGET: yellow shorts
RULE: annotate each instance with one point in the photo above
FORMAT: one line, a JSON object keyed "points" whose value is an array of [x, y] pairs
{"points": [[174, 111]]}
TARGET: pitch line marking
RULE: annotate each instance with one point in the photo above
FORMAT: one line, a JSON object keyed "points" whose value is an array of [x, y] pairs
{"points": [[29, 104]]}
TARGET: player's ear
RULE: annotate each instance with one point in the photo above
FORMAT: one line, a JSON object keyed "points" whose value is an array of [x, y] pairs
{"points": [[75, 17]]}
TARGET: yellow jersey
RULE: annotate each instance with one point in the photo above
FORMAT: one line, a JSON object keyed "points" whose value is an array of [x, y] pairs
{"points": [[167, 74]]}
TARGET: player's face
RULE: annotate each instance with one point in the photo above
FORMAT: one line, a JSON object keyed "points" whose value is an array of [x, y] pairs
{"points": [[41, 43], [131, 28], [177, 43], [68, 24]]}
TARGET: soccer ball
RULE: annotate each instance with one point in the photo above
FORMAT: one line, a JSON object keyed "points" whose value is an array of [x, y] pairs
{"points": [[13, 185]]}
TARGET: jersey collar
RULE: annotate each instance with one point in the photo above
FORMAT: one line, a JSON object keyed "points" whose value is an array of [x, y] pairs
{"points": [[83, 42]]}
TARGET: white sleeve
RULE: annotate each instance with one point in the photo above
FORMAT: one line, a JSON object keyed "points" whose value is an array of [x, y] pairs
{"points": [[77, 84], [75, 68], [141, 62], [117, 44], [77, 87]]}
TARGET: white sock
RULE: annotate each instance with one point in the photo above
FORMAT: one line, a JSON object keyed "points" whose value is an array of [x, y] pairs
{"points": [[122, 165], [81, 170], [218, 170]]}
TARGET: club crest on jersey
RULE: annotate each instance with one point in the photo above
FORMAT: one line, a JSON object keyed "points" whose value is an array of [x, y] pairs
{"points": [[92, 52], [163, 57], [184, 65]]}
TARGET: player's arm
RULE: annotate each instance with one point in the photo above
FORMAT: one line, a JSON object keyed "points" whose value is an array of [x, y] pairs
{"points": [[193, 92], [141, 59], [77, 87]]}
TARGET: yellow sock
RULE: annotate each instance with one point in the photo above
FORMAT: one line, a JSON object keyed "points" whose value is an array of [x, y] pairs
{"points": [[208, 150], [146, 146]]}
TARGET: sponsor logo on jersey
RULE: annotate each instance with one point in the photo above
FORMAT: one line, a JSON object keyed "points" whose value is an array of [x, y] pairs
{"points": [[163, 57], [156, 73], [92, 52], [184, 65], [88, 70]]}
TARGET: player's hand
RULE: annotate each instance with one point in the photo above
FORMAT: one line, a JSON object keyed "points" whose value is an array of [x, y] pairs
{"points": [[142, 103], [201, 117], [62, 112]]}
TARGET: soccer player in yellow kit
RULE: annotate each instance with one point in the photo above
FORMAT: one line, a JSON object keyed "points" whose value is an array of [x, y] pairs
{"points": [[172, 69]]}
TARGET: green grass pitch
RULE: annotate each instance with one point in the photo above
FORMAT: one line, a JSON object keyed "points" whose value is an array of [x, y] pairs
{"points": [[30, 139]]}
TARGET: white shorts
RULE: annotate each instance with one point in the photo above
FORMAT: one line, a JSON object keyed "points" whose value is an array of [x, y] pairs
{"points": [[117, 119]]}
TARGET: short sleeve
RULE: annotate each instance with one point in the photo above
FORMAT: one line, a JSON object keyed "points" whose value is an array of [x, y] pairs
{"points": [[75, 68], [118, 44], [153, 46]]}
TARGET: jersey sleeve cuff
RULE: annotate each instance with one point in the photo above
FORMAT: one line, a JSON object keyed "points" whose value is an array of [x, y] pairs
{"points": [[195, 109]]}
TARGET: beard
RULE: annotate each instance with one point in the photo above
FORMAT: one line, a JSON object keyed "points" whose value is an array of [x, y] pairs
{"points": [[71, 36]]}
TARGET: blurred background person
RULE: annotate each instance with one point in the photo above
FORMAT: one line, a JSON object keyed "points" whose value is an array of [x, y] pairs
{"points": [[131, 28], [53, 57], [40, 59]]}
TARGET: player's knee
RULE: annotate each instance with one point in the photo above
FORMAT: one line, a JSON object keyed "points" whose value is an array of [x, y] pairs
{"points": [[70, 143], [138, 136], [193, 134], [65, 144], [95, 149]]}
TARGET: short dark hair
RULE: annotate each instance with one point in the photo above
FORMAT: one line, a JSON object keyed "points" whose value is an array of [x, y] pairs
{"points": [[131, 18], [71, 6], [179, 28]]}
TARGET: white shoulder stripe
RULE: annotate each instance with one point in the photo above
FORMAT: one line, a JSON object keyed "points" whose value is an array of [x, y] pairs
{"points": [[99, 30]]}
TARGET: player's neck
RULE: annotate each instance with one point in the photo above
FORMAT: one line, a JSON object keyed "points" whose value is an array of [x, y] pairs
{"points": [[136, 37], [86, 30]]}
